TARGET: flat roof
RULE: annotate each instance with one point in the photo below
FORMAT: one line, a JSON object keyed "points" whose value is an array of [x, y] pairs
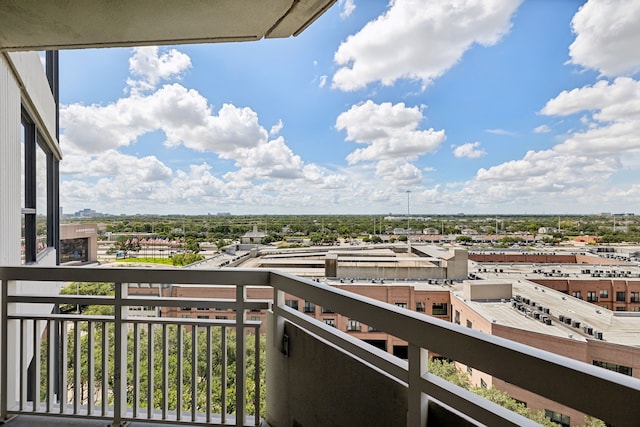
{"points": [[617, 327]]}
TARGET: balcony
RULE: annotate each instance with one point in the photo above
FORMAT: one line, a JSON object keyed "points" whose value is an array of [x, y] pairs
{"points": [[207, 372]]}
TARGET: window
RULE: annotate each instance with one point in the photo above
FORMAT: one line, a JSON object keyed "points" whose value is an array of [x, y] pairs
{"points": [[309, 307], [621, 296], [326, 310], [330, 322], [373, 329], [185, 308], [469, 324], [420, 306], [635, 297], [591, 296], [203, 317], [353, 326], [469, 370], [255, 318], [621, 308], [621, 369], [401, 304], [38, 191], [439, 309], [604, 293], [202, 309], [293, 303], [557, 417], [483, 383], [219, 317], [577, 294], [456, 317]]}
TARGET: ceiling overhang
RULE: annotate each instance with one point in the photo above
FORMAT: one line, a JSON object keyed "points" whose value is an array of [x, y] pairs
{"points": [[74, 24]]}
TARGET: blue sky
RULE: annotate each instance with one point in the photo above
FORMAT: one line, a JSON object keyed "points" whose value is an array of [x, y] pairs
{"points": [[475, 106]]}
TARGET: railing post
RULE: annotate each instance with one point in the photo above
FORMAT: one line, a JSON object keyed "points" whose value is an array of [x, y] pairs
{"points": [[278, 321], [241, 295], [417, 401], [120, 355]]}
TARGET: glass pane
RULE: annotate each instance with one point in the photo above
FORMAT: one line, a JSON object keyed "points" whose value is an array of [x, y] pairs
{"points": [[41, 199]]}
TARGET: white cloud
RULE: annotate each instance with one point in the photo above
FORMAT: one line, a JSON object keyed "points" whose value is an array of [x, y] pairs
{"points": [[607, 36], [182, 114], [348, 6], [323, 81], [275, 129], [500, 132], [398, 172], [577, 173], [419, 40], [389, 131], [470, 150], [542, 129], [153, 68]]}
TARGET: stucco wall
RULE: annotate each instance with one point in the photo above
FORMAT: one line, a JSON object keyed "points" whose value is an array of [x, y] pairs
{"points": [[319, 385]]}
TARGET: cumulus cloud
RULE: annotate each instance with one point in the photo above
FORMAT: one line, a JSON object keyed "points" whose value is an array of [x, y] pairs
{"points": [[577, 171], [389, 131], [419, 40], [470, 150], [400, 172], [97, 173], [607, 37], [152, 67], [182, 114]]}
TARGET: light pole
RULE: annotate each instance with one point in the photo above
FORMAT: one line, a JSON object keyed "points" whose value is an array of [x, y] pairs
{"points": [[408, 219]]}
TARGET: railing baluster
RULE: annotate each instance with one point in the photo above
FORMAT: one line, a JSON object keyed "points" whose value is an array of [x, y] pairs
{"points": [[223, 379], [23, 358], [179, 374], [105, 367], [256, 375], [241, 296], [77, 394], [136, 368], [64, 347], [150, 370], [209, 349], [51, 337], [91, 329], [165, 370], [120, 354], [194, 371], [35, 380]]}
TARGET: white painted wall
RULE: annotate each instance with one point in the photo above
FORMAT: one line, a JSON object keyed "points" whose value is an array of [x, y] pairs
{"points": [[22, 82]]}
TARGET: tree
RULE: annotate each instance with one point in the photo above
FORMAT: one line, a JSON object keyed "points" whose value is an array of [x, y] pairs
{"points": [[450, 372], [464, 239], [88, 288], [192, 245]]}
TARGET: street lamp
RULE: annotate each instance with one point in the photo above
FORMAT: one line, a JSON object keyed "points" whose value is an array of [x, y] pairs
{"points": [[408, 219]]}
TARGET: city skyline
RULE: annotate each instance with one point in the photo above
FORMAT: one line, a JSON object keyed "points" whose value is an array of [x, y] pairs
{"points": [[487, 107]]}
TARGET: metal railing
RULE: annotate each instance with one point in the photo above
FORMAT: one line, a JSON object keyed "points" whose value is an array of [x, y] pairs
{"points": [[124, 368], [606, 395]]}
